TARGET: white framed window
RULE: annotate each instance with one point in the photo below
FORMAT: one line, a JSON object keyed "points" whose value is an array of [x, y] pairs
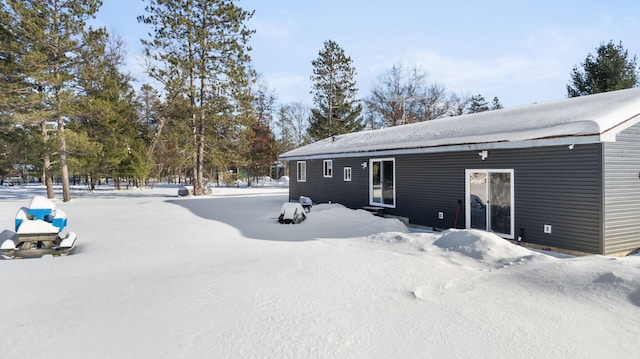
{"points": [[301, 169], [327, 168], [347, 173], [382, 182]]}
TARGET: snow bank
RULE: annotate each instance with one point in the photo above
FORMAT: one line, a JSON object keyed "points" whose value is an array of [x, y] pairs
{"points": [[352, 223], [481, 245], [156, 276]]}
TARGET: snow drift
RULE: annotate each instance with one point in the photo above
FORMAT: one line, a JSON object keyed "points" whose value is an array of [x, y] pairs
{"points": [[157, 276]]}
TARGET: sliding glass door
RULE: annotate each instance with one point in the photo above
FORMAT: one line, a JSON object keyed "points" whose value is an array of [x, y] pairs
{"points": [[489, 201], [382, 182]]}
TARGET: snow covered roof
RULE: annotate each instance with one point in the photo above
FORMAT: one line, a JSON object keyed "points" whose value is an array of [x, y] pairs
{"points": [[583, 119]]}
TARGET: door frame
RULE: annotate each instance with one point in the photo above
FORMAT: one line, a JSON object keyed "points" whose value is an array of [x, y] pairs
{"points": [[467, 196]]}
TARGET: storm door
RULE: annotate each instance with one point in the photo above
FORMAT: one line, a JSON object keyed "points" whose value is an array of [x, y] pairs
{"points": [[489, 201]]}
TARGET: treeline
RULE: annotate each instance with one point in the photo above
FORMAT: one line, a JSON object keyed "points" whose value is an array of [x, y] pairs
{"points": [[68, 109]]}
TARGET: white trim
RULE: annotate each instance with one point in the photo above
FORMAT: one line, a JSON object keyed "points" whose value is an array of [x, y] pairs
{"points": [[327, 168], [300, 178], [371, 202], [347, 178], [467, 210]]}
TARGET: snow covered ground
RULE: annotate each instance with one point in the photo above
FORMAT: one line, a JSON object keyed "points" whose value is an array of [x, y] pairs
{"points": [[157, 276]]}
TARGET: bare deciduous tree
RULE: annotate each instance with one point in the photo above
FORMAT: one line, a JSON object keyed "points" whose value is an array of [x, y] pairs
{"points": [[403, 96]]}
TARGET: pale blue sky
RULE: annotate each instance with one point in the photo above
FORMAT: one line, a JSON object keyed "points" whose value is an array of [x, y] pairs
{"points": [[522, 52]]}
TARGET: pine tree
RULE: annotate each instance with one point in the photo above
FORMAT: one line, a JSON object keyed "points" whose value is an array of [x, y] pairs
{"points": [[611, 69], [495, 104], [106, 114], [49, 36], [12, 82], [478, 104], [334, 94], [199, 49]]}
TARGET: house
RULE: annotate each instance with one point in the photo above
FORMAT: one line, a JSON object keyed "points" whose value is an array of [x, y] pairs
{"points": [[563, 175]]}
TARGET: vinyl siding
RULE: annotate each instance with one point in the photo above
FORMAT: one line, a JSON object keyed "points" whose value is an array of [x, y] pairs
{"points": [[622, 192], [320, 189], [553, 185], [560, 187]]}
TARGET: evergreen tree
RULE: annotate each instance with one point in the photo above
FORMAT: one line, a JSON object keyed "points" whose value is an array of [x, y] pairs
{"points": [[478, 104], [106, 116], [48, 37], [334, 94], [610, 69], [461, 105], [495, 103], [148, 105], [199, 50], [12, 82]]}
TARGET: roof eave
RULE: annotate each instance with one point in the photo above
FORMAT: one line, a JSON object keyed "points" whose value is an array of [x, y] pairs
{"points": [[540, 142]]}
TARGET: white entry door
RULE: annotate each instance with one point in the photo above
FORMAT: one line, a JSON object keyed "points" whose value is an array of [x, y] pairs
{"points": [[489, 201]]}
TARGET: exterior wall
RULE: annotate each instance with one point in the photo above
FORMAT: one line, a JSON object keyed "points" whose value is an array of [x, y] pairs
{"points": [[560, 187], [554, 185], [353, 194], [622, 192]]}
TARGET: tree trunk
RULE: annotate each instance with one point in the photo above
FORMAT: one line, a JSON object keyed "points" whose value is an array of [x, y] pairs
{"points": [[200, 172], [64, 169], [196, 157], [46, 161], [48, 180]]}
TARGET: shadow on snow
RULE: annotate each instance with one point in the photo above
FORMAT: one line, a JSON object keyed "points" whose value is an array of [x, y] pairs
{"points": [[257, 219]]}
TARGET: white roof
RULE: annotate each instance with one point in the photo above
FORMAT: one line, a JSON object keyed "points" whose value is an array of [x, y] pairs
{"points": [[582, 119]]}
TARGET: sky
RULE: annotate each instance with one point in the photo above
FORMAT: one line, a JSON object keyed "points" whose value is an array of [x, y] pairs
{"points": [[521, 52]]}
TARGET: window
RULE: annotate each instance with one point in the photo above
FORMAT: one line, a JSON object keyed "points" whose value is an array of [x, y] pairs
{"points": [[347, 173], [382, 182], [302, 171], [327, 168]]}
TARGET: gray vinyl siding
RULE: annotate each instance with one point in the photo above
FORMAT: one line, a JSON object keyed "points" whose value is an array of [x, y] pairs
{"points": [[560, 187], [554, 185], [428, 184], [622, 192], [320, 189]]}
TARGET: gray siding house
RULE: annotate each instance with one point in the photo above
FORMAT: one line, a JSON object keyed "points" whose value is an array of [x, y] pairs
{"points": [[562, 175]]}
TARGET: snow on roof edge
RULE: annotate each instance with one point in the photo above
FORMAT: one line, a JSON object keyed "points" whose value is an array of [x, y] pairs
{"points": [[579, 117], [557, 141]]}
